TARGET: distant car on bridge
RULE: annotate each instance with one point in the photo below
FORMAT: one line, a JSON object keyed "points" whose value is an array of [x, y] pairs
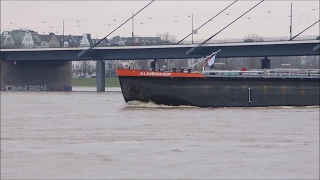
{"points": [[249, 40]]}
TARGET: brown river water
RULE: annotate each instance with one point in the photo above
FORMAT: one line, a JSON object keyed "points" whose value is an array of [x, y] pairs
{"points": [[90, 135]]}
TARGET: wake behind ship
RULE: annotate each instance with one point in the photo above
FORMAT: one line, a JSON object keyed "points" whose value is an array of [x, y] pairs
{"points": [[267, 87]]}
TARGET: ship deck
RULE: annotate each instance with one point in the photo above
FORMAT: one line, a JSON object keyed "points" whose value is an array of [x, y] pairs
{"points": [[265, 73]]}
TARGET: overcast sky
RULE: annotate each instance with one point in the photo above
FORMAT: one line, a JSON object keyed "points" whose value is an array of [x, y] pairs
{"points": [[270, 18]]}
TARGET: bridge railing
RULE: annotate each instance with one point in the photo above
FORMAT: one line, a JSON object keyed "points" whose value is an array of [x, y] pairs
{"points": [[260, 39], [217, 41]]}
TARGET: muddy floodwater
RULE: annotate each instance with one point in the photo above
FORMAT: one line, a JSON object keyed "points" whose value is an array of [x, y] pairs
{"points": [[90, 135]]}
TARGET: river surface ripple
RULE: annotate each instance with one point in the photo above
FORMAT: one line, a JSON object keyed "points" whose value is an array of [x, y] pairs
{"points": [[92, 135]]}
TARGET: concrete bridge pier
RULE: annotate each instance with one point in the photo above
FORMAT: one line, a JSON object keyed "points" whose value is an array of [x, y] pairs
{"points": [[265, 63], [100, 76], [154, 64], [36, 75]]}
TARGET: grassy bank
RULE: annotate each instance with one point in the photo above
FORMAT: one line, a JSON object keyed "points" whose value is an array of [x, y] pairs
{"points": [[91, 82]]}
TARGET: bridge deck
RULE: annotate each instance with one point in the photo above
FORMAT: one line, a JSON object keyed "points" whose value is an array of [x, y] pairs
{"points": [[166, 46], [228, 50]]}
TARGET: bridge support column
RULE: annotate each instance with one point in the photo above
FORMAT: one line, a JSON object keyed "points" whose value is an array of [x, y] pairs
{"points": [[100, 76], [154, 64], [36, 75], [265, 63]]}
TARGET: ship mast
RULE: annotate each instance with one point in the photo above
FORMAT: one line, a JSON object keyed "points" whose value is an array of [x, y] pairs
{"points": [[213, 53]]}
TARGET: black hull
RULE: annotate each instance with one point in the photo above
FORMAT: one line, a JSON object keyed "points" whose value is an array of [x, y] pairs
{"points": [[221, 91]]}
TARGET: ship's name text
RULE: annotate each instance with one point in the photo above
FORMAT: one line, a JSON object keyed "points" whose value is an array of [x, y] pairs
{"points": [[154, 74]]}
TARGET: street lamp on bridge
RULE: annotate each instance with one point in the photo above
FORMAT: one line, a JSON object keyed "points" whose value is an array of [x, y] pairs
{"points": [[192, 30]]}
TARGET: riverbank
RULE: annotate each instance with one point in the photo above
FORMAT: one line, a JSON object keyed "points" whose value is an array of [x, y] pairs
{"points": [[91, 82]]}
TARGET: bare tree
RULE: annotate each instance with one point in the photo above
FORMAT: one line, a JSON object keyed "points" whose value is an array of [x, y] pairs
{"points": [[162, 62], [226, 64], [253, 38], [141, 64], [85, 68], [311, 62], [198, 67], [253, 62], [291, 61], [304, 62], [169, 63], [167, 38]]}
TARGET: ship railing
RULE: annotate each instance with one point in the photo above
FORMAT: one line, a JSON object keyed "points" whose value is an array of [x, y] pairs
{"points": [[281, 73]]}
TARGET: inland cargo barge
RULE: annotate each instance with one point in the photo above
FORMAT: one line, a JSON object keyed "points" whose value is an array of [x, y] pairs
{"points": [[265, 87], [216, 88]]}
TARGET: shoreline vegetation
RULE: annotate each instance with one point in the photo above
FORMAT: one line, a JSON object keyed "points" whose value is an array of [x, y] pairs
{"points": [[91, 82]]}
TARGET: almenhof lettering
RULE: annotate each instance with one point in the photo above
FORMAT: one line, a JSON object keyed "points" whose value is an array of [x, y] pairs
{"points": [[155, 74]]}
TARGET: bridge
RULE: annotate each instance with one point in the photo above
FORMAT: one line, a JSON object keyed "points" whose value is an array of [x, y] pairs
{"points": [[228, 50], [49, 69]]}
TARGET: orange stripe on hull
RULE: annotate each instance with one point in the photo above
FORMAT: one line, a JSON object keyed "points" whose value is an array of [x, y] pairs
{"points": [[143, 73]]}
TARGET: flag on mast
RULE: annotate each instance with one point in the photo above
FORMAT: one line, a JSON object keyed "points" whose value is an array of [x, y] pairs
{"points": [[207, 59], [211, 61]]}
